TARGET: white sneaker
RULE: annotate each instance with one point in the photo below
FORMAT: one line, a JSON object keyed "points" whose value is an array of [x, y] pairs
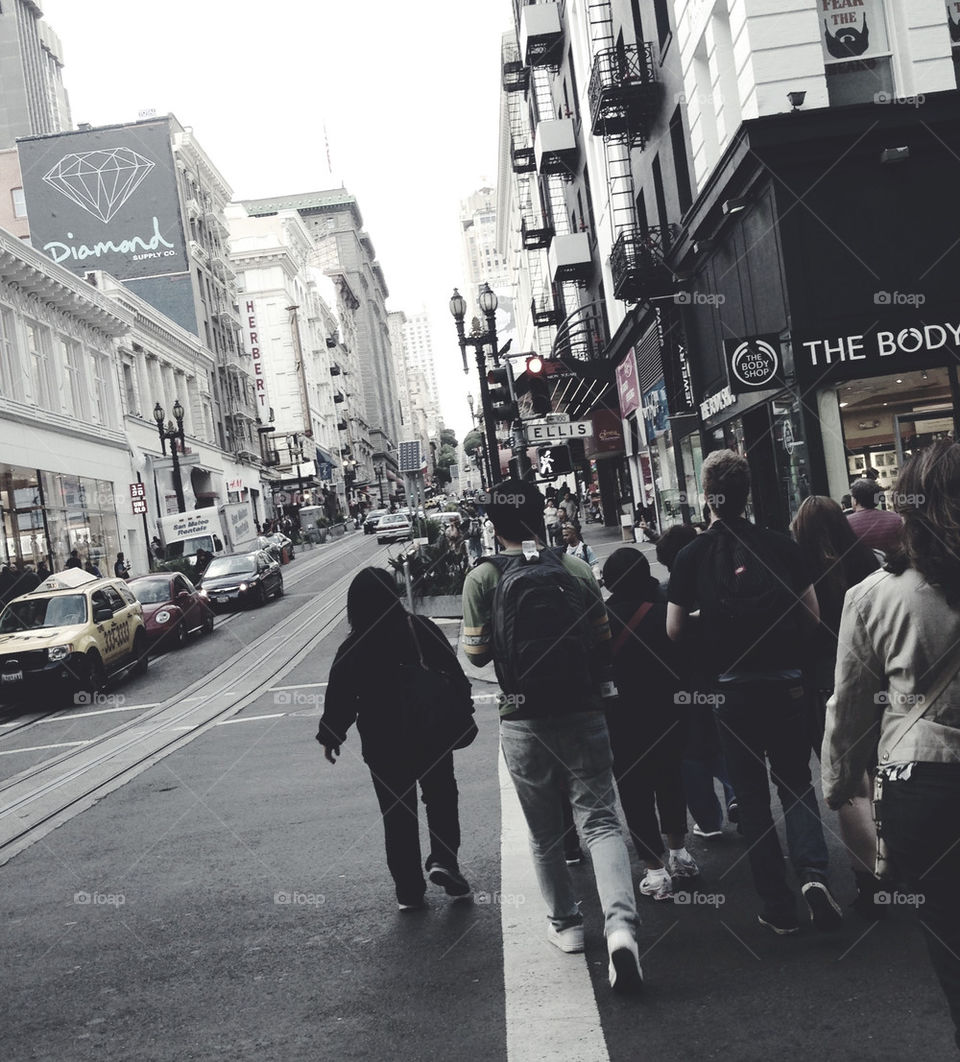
{"points": [[682, 865], [709, 834], [624, 970], [569, 940], [657, 885]]}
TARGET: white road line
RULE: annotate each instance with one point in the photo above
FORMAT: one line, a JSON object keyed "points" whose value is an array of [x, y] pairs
{"points": [[299, 686], [43, 748], [70, 716], [242, 719], [551, 1012]]}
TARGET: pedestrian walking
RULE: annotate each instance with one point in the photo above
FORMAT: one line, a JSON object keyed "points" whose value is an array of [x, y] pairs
{"points": [[43, 572], [120, 567], [837, 560], [91, 569], [73, 561], [550, 523], [385, 642], [876, 528], [539, 615], [489, 537], [576, 547], [757, 609], [646, 727], [898, 673]]}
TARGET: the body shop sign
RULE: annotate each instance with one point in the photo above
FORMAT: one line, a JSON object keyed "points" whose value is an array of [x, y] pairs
{"points": [[880, 350], [106, 199], [251, 342], [753, 363]]}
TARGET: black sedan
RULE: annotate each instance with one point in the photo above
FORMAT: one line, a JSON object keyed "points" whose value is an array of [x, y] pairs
{"points": [[241, 579]]}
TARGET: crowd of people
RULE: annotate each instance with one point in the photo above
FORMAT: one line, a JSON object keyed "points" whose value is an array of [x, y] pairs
{"points": [[760, 650]]}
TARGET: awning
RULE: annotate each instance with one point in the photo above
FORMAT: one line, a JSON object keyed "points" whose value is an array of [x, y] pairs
{"points": [[325, 457]]}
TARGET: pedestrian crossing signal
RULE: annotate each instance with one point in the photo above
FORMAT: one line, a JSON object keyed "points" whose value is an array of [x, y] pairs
{"points": [[554, 461]]}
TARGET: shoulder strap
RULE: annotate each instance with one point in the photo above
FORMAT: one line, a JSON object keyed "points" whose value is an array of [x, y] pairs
{"points": [[416, 640], [635, 622], [924, 703]]}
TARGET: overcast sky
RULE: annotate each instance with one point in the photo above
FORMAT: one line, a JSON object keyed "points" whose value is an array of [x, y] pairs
{"points": [[408, 93]]}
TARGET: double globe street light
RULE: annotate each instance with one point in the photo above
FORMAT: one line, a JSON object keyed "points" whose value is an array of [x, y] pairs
{"points": [[174, 434], [480, 340]]}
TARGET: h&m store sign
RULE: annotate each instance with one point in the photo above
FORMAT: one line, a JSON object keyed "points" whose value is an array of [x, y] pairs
{"points": [[878, 351]]}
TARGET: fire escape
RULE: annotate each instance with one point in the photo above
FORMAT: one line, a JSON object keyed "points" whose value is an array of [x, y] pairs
{"points": [[625, 98]]}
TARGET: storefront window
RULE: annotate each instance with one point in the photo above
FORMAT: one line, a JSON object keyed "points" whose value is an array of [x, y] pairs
{"points": [[692, 457], [790, 453]]}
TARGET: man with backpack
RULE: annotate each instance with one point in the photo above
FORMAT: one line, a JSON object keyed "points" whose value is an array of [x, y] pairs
{"points": [[757, 611], [539, 615]]}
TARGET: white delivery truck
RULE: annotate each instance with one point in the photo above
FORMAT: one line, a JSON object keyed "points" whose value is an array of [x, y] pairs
{"points": [[184, 534], [238, 526]]}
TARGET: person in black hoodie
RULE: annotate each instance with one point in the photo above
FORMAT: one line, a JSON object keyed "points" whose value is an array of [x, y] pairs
{"points": [[363, 688], [646, 728]]}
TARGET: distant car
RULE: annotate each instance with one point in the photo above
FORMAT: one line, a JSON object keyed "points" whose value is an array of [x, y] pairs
{"points": [[394, 528], [275, 544], [69, 635], [373, 518], [241, 579], [172, 608]]}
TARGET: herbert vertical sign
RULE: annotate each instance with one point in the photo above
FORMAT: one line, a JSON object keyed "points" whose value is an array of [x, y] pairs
{"points": [[754, 363], [251, 342]]}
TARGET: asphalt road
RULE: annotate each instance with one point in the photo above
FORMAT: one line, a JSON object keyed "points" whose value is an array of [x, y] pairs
{"points": [[232, 902]]}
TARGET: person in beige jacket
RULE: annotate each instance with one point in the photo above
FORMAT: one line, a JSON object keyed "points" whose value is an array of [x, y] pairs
{"points": [[896, 703]]}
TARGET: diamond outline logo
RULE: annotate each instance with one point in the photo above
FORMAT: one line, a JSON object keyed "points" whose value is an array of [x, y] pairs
{"points": [[99, 181]]}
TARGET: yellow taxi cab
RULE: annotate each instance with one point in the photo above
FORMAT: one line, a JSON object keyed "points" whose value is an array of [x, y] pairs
{"points": [[69, 635]]}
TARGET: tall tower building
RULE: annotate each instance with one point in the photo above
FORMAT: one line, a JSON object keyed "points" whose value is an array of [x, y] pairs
{"points": [[32, 97], [418, 342], [483, 261]]}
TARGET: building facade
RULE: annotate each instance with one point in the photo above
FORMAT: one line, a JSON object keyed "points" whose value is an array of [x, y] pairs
{"points": [[160, 228], [345, 252], [32, 97]]}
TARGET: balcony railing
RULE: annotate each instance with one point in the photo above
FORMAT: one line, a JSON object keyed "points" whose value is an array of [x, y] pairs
{"points": [[535, 233], [515, 73], [625, 95], [523, 159], [543, 308], [637, 263]]}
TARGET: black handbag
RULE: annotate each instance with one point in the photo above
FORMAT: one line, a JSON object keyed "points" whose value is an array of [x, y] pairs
{"points": [[437, 703]]}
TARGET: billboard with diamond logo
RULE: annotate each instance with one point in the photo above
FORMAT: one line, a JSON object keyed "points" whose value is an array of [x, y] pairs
{"points": [[105, 199]]}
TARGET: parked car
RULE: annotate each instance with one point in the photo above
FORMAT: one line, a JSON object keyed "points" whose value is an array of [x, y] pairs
{"points": [[241, 579], [373, 518], [69, 635], [275, 544], [394, 528], [172, 608]]}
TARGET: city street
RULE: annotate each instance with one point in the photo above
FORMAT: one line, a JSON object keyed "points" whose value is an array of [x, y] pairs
{"points": [[230, 899]]}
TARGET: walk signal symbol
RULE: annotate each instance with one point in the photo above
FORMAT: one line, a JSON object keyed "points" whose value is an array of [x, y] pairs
{"points": [[554, 461]]}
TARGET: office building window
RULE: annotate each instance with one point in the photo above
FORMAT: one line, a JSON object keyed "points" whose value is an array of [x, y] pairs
{"points": [[661, 11], [680, 167], [856, 54], [10, 371], [19, 203]]}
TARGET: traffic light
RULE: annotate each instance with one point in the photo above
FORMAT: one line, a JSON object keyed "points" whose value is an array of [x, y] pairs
{"points": [[538, 386], [554, 461], [502, 398]]}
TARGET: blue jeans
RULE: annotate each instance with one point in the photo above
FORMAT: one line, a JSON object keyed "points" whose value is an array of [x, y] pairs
{"points": [[569, 756], [769, 722]]}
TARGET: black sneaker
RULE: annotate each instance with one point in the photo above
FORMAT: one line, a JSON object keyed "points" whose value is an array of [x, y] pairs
{"points": [[452, 882], [733, 812], [782, 925], [574, 857], [410, 903], [825, 912]]}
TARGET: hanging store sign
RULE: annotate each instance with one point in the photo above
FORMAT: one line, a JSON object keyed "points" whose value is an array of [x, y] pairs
{"points": [[628, 384], [715, 404], [655, 412], [251, 343], [852, 29], [754, 363]]}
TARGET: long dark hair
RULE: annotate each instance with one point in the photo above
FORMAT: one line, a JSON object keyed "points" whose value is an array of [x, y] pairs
{"points": [[836, 557], [927, 496], [373, 599]]}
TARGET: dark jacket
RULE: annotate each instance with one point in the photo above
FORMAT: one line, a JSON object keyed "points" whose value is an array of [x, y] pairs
{"points": [[647, 665], [363, 687]]}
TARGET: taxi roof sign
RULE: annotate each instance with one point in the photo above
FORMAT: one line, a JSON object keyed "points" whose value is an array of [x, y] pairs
{"points": [[69, 579]]}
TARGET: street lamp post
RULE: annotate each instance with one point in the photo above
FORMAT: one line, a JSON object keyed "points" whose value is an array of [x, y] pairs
{"points": [[173, 434], [480, 340], [482, 464], [379, 469]]}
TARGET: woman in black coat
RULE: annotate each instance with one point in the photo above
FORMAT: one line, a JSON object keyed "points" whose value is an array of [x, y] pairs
{"points": [[646, 728], [364, 688]]}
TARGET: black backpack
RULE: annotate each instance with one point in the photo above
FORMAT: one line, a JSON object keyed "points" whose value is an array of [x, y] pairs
{"points": [[541, 626], [757, 605]]}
